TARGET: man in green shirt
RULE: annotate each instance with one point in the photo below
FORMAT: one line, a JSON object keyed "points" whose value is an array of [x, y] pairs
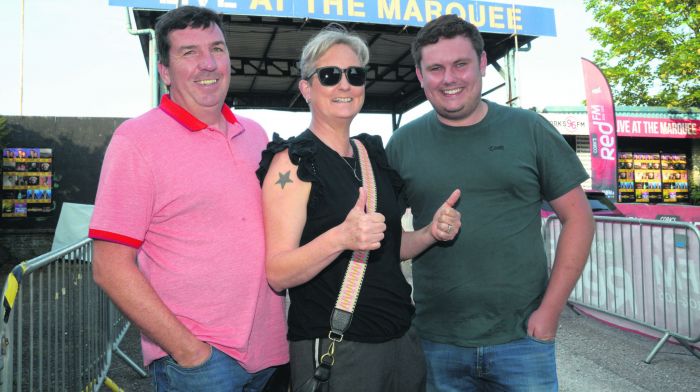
{"points": [[485, 309]]}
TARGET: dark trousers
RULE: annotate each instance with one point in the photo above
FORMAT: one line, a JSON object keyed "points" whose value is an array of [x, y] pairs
{"points": [[397, 365]]}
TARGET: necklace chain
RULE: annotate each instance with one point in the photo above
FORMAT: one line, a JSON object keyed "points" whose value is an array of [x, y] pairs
{"points": [[353, 168]]}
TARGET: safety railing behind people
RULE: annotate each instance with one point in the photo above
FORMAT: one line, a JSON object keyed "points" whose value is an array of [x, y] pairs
{"points": [[643, 271], [59, 329]]}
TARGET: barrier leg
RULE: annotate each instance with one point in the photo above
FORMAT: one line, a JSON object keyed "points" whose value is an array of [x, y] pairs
{"points": [[573, 308], [688, 347], [115, 348], [658, 346], [130, 362]]}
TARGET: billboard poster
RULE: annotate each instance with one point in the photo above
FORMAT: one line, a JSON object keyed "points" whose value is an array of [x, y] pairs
{"points": [[647, 177], [674, 177], [625, 177], [27, 182], [602, 130]]}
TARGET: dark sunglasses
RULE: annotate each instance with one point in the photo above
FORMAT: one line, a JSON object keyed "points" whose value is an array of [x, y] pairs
{"points": [[330, 76]]}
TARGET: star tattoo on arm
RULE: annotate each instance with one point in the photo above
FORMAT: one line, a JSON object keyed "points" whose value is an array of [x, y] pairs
{"points": [[284, 179]]}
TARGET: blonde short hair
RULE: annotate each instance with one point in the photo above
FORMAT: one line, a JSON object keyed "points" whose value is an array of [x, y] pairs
{"points": [[331, 35]]}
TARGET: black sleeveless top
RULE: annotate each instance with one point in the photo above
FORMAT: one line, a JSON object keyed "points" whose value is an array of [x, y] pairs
{"points": [[384, 310]]}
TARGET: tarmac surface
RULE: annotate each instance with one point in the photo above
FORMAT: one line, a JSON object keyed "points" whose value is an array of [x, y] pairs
{"points": [[591, 356]]}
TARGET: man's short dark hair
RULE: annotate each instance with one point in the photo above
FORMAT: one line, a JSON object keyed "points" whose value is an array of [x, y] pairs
{"points": [[445, 26], [179, 19]]}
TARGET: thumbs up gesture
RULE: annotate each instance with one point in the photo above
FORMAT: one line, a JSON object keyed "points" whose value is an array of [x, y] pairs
{"points": [[362, 230], [447, 220]]}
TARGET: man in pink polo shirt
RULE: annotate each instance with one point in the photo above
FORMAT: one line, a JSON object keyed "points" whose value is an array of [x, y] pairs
{"points": [[178, 193]]}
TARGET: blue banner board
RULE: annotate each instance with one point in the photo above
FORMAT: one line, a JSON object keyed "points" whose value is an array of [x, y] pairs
{"points": [[489, 17]]}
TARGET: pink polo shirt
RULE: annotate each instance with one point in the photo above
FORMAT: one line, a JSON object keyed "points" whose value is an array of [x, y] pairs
{"points": [[186, 196]]}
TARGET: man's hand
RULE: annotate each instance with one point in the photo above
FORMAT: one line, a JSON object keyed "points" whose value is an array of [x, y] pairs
{"points": [[447, 221], [194, 357], [543, 324]]}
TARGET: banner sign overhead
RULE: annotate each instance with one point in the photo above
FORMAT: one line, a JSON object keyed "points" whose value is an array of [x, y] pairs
{"points": [[489, 17], [658, 127]]}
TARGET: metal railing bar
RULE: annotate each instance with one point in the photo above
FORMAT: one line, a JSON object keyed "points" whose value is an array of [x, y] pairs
{"points": [[639, 262], [58, 325]]}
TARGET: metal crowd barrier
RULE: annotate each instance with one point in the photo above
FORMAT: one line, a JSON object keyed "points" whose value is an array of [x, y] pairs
{"points": [[59, 329], [643, 271]]}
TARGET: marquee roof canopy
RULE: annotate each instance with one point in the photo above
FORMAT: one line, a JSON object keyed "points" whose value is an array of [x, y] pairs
{"points": [[265, 46]]}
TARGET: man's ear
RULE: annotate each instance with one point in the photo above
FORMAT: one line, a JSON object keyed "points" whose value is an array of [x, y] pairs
{"points": [[419, 75], [164, 73], [483, 63]]}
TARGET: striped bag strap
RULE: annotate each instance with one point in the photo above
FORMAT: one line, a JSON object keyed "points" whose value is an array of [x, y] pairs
{"points": [[352, 283]]}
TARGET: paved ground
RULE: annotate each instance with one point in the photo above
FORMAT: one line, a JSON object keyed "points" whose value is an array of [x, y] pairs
{"points": [[591, 357], [595, 357]]}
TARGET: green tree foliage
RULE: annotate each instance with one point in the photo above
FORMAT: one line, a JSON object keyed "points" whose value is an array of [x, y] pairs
{"points": [[650, 50]]}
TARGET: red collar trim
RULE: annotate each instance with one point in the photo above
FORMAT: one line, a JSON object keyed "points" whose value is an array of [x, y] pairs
{"points": [[187, 120]]}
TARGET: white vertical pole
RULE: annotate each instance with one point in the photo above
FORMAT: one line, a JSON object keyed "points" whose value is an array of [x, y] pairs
{"points": [[21, 58], [513, 90]]}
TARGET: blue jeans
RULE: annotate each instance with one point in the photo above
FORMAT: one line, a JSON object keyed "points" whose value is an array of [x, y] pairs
{"points": [[218, 373], [521, 365]]}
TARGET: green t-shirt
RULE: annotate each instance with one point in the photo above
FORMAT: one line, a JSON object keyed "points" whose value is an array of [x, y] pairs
{"points": [[481, 288]]}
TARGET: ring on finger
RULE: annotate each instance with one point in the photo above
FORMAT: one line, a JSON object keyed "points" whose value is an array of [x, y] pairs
{"points": [[449, 227]]}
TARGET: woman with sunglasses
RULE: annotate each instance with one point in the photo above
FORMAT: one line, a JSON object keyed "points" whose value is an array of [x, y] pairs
{"points": [[314, 207]]}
